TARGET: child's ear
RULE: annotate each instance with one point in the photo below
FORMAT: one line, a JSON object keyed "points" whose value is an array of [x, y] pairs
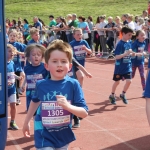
{"points": [[46, 66], [70, 66]]}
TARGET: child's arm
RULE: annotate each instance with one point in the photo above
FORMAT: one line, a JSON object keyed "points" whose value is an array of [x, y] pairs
{"points": [[86, 49], [78, 111], [26, 127], [20, 53], [18, 78], [126, 53], [23, 85], [88, 75], [75, 63]]}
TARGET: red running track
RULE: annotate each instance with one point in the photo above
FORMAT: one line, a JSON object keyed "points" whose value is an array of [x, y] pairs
{"points": [[108, 127]]}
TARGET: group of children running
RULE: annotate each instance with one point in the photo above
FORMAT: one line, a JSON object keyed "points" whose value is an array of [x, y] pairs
{"points": [[53, 95]]}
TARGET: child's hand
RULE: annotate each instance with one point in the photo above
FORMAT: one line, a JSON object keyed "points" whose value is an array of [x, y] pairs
{"points": [[139, 54], [133, 54], [83, 47], [26, 130], [62, 101], [22, 88], [20, 78], [9, 83], [128, 52], [88, 75]]}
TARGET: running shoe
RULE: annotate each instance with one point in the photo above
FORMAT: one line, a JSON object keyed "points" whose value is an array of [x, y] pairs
{"points": [[123, 97], [112, 100], [13, 126], [76, 122], [18, 102]]}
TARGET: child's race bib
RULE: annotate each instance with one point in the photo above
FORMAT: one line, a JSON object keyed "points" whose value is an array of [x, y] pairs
{"points": [[54, 115], [127, 59], [32, 79], [140, 50], [78, 50], [11, 77]]}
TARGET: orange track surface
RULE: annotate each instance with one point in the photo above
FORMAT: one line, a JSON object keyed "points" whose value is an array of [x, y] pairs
{"points": [[108, 127]]}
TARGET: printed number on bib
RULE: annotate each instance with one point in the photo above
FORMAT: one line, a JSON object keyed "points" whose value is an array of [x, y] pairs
{"points": [[54, 115]]}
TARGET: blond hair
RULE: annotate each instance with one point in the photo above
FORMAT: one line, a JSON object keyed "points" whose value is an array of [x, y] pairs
{"points": [[13, 31], [12, 48], [60, 46], [130, 16], [33, 30], [77, 29], [29, 48]]}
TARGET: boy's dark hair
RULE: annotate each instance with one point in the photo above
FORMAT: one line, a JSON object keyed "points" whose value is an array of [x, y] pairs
{"points": [[51, 16], [81, 17], [126, 30]]}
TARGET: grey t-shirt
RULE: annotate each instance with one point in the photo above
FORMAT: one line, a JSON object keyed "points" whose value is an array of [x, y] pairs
{"points": [[101, 26]]}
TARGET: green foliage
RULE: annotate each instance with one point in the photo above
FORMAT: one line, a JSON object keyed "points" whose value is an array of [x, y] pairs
{"points": [[43, 8]]}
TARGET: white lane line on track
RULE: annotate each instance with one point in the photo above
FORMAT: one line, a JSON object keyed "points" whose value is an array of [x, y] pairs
{"points": [[14, 141], [113, 135]]}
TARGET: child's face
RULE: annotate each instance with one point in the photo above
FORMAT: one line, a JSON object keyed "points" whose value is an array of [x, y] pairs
{"points": [[20, 36], [35, 57], [78, 35], [36, 36], [141, 37], [127, 36], [10, 54], [12, 37], [58, 65]]}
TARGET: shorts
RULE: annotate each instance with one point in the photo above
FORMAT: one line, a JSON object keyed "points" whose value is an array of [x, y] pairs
{"points": [[51, 148], [118, 77], [12, 98]]}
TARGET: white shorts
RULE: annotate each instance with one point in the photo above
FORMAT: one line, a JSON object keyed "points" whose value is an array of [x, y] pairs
{"points": [[12, 98]]}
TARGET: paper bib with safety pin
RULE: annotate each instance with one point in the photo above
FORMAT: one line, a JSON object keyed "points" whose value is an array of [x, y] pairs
{"points": [[54, 115]]}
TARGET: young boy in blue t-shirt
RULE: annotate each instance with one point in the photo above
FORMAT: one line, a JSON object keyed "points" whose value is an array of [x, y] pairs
{"points": [[80, 49], [123, 68], [57, 99]]}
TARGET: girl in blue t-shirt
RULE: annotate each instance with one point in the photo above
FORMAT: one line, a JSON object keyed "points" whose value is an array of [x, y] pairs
{"points": [[34, 71], [11, 69], [13, 37], [138, 61]]}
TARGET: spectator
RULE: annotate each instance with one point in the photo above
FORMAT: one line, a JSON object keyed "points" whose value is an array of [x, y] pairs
{"points": [[110, 33], [130, 22]]}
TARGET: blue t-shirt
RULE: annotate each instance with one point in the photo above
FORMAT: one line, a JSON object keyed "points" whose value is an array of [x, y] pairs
{"points": [[78, 53], [138, 47], [17, 58], [33, 74], [11, 69], [38, 24], [84, 25], [46, 90], [33, 42], [123, 65], [26, 29]]}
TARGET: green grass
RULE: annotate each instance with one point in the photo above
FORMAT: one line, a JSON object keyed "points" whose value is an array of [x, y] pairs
{"points": [[43, 8]]}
